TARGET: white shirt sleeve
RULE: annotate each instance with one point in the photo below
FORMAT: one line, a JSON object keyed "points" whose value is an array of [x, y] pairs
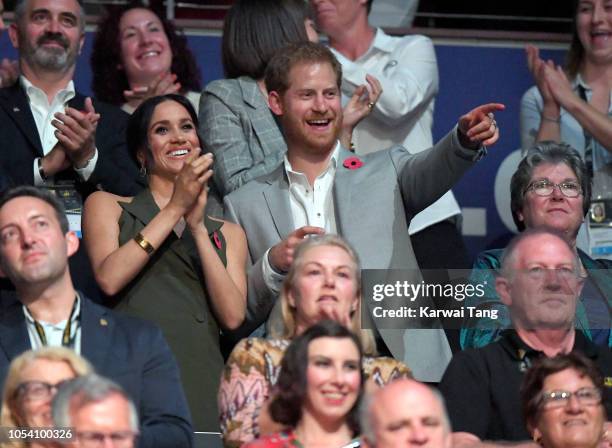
{"points": [[408, 75], [85, 172], [273, 279]]}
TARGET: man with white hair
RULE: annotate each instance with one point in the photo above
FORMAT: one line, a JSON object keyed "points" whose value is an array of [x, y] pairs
{"points": [[405, 413], [540, 282], [96, 410]]}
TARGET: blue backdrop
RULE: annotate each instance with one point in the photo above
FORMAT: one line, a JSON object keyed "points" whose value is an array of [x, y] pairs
{"points": [[469, 75]]}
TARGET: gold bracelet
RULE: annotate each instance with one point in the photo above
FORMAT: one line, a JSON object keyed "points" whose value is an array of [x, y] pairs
{"points": [[144, 244]]}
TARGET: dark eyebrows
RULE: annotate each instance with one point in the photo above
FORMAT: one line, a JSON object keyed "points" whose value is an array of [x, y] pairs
{"points": [[63, 14], [40, 11], [69, 15], [164, 122]]}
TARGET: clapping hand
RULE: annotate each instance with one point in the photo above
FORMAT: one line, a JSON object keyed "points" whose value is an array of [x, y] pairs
{"points": [[76, 135], [164, 83], [190, 192], [362, 102]]}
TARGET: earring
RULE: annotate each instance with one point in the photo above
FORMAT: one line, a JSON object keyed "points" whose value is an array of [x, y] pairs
{"points": [[143, 171]]}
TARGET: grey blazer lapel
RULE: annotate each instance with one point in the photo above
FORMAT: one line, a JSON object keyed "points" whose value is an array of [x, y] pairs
{"points": [[343, 193], [277, 199]]}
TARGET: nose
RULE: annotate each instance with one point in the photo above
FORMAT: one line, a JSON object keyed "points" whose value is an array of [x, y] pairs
{"points": [[177, 136], [556, 193], [54, 25], [417, 435], [27, 238], [553, 279], [320, 104], [144, 38], [598, 12], [573, 404], [330, 278]]}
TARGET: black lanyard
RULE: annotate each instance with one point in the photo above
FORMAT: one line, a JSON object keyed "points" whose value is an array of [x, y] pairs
{"points": [[67, 340]]}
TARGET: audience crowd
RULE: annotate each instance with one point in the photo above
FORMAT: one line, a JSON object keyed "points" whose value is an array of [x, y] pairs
{"points": [[181, 260]]}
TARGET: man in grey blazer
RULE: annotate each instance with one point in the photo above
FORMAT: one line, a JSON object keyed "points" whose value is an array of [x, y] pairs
{"points": [[322, 187]]}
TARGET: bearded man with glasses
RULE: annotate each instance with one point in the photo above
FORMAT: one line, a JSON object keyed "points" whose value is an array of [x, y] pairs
{"points": [[551, 188]]}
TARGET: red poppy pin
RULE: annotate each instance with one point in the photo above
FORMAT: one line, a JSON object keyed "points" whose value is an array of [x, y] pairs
{"points": [[352, 163], [217, 240]]}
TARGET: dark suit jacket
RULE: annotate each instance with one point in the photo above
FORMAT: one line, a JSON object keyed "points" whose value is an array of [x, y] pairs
{"points": [[20, 145], [131, 352]]}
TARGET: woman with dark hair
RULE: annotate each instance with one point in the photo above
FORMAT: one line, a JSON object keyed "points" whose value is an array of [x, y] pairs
{"points": [[562, 402], [236, 124], [138, 54], [323, 282], [574, 105], [162, 258], [318, 390]]}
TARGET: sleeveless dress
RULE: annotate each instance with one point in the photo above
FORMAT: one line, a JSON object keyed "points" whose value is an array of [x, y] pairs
{"points": [[170, 291]]}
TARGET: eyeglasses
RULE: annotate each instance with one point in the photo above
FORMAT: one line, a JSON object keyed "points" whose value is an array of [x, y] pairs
{"points": [[560, 274], [37, 390], [95, 439], [546, 188], [560, 398]]}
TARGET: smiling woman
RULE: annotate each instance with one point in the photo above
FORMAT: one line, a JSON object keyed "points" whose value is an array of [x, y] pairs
{"points": [[137, 54], [318, 390], [562, 402], [162, 258]]}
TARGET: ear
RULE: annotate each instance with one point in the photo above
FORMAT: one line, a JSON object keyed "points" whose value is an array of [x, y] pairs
{"points": [[81, 42], [503, 288], [275, 102], [291, 297], [536, 435], [355, 304], [140, 156], [72, 243], [14, 35]]}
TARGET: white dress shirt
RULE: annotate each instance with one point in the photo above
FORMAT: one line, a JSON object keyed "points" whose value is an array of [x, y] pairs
{"points": [[55, 332], [43, 114], [311, 205]]}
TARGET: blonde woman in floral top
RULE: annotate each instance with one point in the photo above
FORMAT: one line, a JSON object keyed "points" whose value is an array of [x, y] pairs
{"points": [[323, 283]]}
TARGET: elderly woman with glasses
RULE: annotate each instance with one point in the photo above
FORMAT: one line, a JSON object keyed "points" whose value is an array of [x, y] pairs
{"points": [[32, 380], [562, 402], [550, 188]]}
